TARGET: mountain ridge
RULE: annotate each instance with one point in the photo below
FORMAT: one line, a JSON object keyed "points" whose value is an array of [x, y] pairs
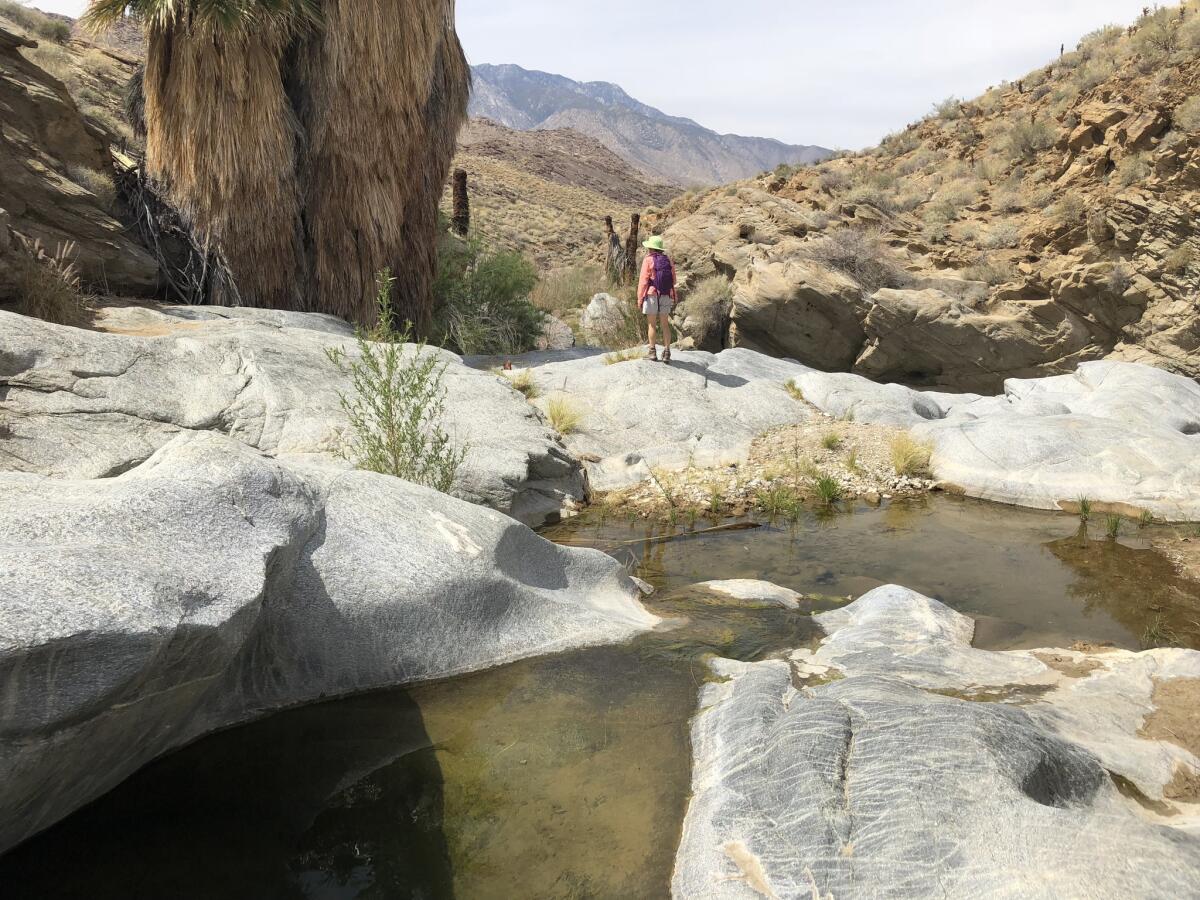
{"points": [[663, 147]]}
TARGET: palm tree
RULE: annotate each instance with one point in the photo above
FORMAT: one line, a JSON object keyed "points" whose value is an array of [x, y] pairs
{"points": [[307, 140]]}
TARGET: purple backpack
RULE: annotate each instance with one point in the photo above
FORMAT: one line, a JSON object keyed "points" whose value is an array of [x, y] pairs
{"points": [[663, 278]]}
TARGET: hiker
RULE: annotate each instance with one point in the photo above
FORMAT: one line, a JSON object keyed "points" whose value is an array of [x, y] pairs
{"points": [[656, 295]]}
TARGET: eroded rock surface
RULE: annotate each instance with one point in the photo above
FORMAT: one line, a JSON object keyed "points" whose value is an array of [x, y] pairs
{"points": [[211, 584], [1120, 434], [84, 404], [897, 761]]}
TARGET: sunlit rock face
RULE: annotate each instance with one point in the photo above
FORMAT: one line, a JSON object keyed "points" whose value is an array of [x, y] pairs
{"points": [[895, 760], [211, 584]]}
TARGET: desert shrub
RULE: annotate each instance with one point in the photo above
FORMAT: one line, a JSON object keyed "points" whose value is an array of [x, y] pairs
{"points": [[1008, 200], [1002, 236], [481, 297], [1178, 260], [911, 457], [1095, 72], [874, 196], [1132, 169], [48, 286], [949, 109], [397, 402], [1102, 37], [990, 270], [936, 232], [990, 168], [1120, 279], [1157, 33], [1187, 115], [567, 288], [1189, 34], [950, 198], [833, 181], [1026, 138], [36, 22], [100, 63], [1069, 210], [909, 200], [900, 142], [859, 253], [99, 184], [522, 382]]}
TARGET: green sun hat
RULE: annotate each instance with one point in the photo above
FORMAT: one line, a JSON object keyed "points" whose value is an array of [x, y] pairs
{"points": [[654, 243]]}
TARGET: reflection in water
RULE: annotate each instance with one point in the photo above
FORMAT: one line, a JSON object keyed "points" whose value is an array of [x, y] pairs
{"points": [[565, 776]]}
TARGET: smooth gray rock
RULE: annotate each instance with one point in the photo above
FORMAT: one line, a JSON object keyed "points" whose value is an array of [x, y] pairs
{"points": [[86, 404], [602, 317], [211, 584], [637, 415], [854, 771]]}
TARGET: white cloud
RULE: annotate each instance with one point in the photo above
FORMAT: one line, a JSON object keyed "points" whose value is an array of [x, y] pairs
{"points": [[808, 71]]}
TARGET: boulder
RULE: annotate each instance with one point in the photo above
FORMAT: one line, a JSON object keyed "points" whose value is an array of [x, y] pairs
{"points": [[211, 584], [556, 335], [86, 404], [636, 416], [790, 307], [896, 760], [45, 138], [928, 337], [602, 318]]}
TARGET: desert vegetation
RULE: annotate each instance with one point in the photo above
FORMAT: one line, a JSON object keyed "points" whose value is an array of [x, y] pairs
{"points": [[396, 403]]}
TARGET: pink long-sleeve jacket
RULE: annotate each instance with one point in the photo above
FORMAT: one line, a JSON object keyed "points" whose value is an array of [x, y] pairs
{"points": [[648, 274]]}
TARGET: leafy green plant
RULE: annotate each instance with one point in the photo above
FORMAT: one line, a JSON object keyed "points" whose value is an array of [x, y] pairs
{"points": [[911, 457], [565, 417], [716, 499], [1146, 519], [778, 500], [397, 402], [481, 300]]}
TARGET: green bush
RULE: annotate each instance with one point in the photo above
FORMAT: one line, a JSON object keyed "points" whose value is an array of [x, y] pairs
{"points": [[1026, 138], [481, 298], [396, 408], [36, 22]]}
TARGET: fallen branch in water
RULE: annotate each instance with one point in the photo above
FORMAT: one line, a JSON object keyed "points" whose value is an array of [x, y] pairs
{"points": [[664, 538]]}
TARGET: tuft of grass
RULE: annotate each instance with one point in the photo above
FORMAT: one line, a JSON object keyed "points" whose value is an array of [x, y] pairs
{"points": [[794, 391], [911, 457], [1085, 509], [832, 440], [1158, 633], [778, 500], [1133, 169], [716, 499], [1112, 526], [852, 463], [1146, 519], [829, 490], [523, 382], [99, 184], [565, 417], [48, 287], [567, 288], [611, 359]]}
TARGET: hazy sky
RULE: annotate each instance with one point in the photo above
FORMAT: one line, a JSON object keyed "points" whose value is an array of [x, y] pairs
{"points": [[840, 74]]}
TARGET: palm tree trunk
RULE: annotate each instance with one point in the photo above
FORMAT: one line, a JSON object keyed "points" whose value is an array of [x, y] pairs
{"points": [[221, 140], [384, 87]]}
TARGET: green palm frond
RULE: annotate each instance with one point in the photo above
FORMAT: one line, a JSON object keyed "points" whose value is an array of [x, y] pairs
{"points": [[217, 16]]}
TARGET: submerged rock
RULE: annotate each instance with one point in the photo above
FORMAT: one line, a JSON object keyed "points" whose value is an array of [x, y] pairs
{"points": [[85, 404], [210, 585], [897, 761]]}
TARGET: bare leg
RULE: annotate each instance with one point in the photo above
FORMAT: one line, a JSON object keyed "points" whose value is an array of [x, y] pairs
{"points": [[650, 337], [666, 330]]}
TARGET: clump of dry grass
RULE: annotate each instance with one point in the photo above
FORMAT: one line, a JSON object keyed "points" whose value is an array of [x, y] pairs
{"points": [[522, 381], [911, 457], [35, 22], [48, 286], [97, 183], [859, 253], [565, 417], [620, 356]]}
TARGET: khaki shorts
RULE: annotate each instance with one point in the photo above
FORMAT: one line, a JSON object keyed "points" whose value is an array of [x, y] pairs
{"points": [[656, 305]]}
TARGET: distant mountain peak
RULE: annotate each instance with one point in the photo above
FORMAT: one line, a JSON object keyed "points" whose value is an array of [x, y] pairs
{"points": [[666, 148]]}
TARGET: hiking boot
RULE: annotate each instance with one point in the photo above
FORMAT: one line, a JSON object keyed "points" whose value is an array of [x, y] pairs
{"points": [[667, 356], [652, 354]]}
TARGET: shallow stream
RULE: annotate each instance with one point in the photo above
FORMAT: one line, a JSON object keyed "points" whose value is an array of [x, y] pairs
{"points": [[567, 776]]}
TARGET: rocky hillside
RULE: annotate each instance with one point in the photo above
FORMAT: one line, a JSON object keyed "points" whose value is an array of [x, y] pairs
{"points": [[546, 194], [1047, 222], [665, 148]]}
